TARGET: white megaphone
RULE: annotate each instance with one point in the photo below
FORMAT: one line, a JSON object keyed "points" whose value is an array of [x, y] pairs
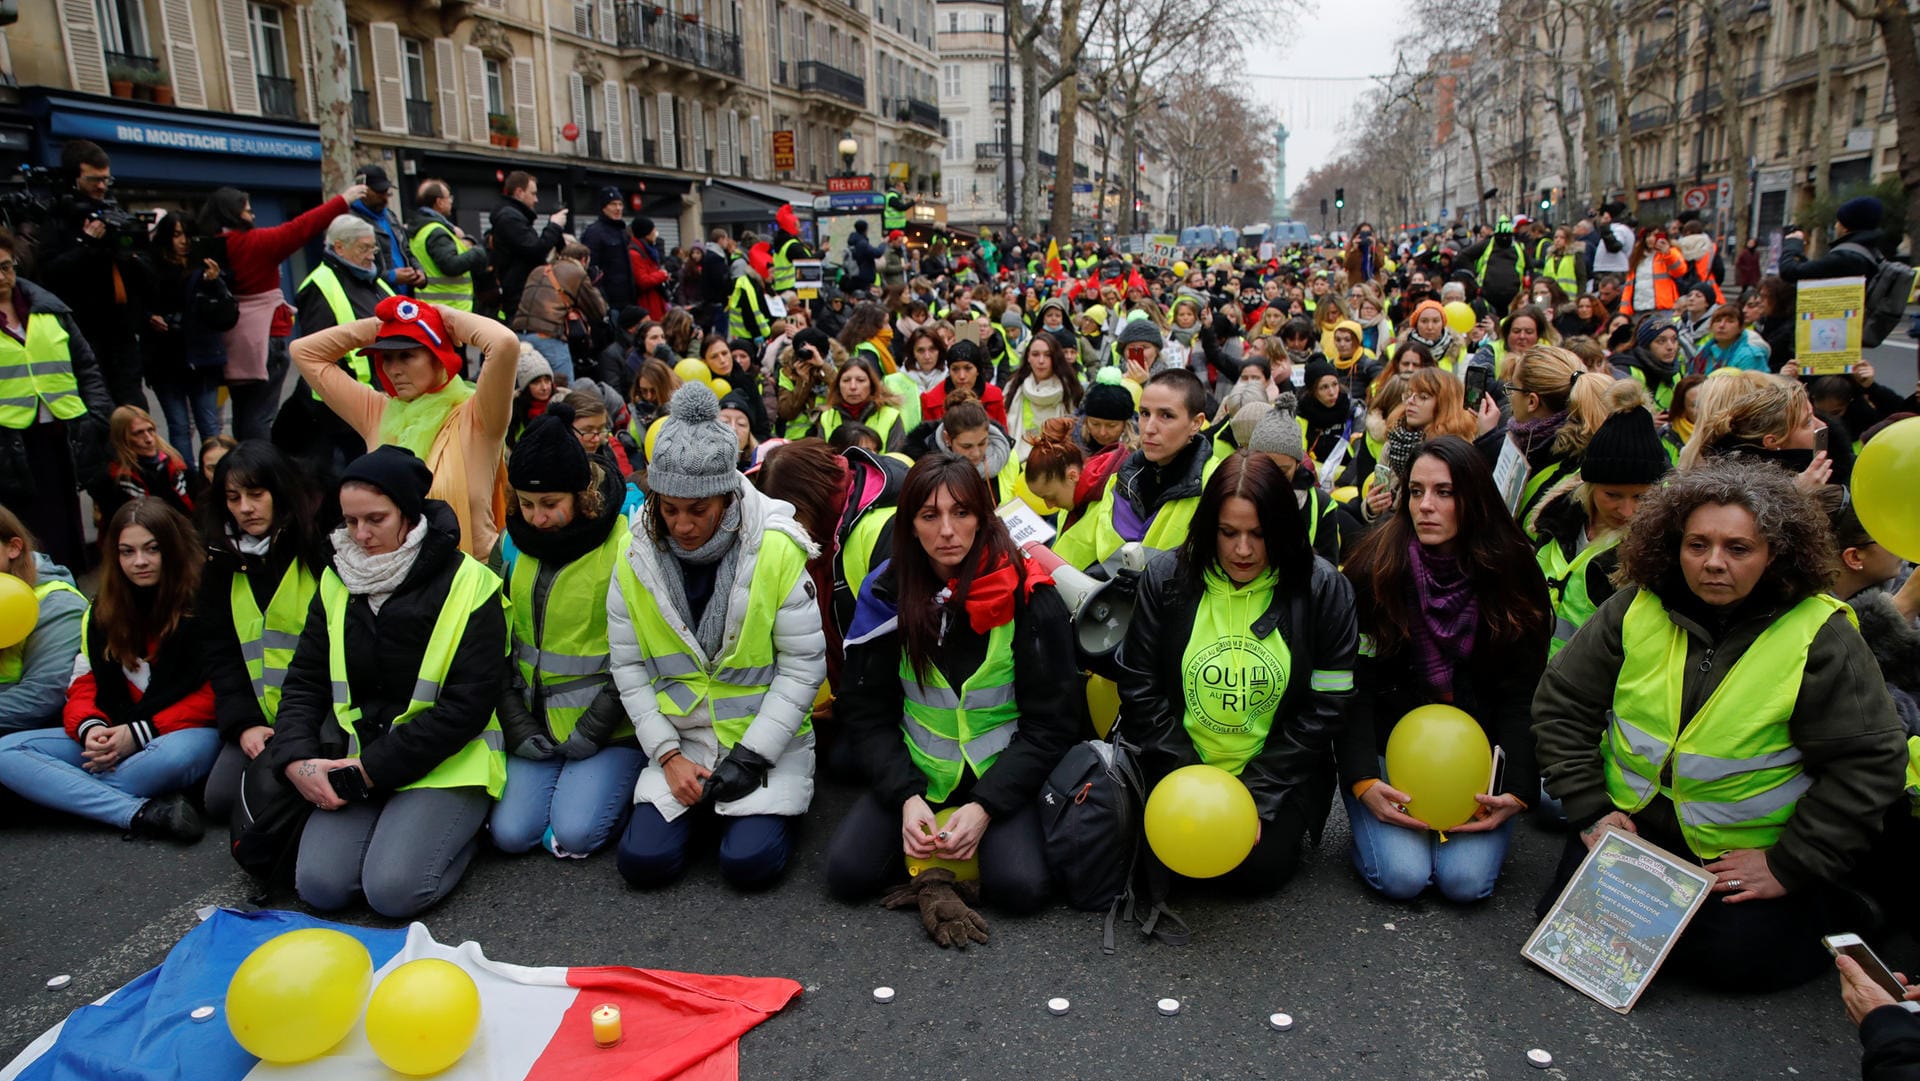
{"points": [[1101, 610]]}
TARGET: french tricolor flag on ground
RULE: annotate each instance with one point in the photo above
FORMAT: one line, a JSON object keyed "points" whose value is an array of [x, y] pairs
{"points": [[534, 1022]]}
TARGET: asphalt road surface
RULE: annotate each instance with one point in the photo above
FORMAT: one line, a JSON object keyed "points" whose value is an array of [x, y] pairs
{"points": [[1378, 990]]}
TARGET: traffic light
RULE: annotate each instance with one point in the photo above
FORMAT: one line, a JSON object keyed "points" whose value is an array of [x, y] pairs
{"points": [[1546, 198], [1323, 208], [1340, 197]]}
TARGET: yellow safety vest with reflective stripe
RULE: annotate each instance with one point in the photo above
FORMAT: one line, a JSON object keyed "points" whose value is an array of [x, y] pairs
{"points": [[894, 214], [1733, 773], [482, 763], [452, 291], [13, 659], [745, 301], [1913, 774], [267, 638], [881, 421], [784, 276], [802, 423], [1560, 268], [1094, 540], [324, 279], [1566, 578], [37, 370], [737, 685], [561, 652], [948, 732], [856, 552], [1530, 494]]}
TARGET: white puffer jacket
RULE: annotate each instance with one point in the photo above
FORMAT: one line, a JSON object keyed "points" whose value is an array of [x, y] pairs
{"points": [[800, 666]]}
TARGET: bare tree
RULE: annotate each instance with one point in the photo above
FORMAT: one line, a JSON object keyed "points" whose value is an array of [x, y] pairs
{"points": [[1895, 22]]}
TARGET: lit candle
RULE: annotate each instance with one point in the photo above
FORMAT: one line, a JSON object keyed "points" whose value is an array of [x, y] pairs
{"points": [[606, 1025]]}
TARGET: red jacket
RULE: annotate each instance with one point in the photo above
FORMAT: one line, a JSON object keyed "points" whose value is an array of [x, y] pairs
{"points": [[193, 711], [255, 255], [933, 404], [649, 281]]}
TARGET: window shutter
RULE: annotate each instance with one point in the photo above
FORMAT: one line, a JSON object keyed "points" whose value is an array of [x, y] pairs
{"points": [[733, 142], [756, 131], [609, 26], [697, 130], [242, 83], [446, 65], [636, 117], [610, 116], [669, 154], [720, 165], [86, 62], [583, 18], [478, 128], [526, 116], [183, 53], [577, 92], [389, 86]]}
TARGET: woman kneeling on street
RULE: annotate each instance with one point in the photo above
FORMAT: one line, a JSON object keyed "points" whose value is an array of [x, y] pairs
{"points": [[386, 720], [957, 693], [1240, 655], [1723, 705]]}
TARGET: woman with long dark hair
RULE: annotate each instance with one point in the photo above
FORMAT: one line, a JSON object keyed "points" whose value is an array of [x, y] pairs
{"points": [[1453, 610], [856, 394], [1240, 655], [139, 720], [954, 696], [1044, 386], [265, 557], [182, 350]]}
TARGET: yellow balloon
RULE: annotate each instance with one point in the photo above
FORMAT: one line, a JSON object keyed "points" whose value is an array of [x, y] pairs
{"points": [[1180, 270], [1883, 480], [1459, 316], [721, 388], [19, 611], [1346, 494], [693, 370], [298, 994], [1103, 703], [1201, 821], [963, 870], [423, 1016], [1439, 757]]}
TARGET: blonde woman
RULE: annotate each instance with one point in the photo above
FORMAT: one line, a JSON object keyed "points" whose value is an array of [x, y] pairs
{"points": [[1557, 406], [1760, 417]]}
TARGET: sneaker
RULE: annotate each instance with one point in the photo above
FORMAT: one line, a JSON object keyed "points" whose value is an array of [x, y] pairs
{"points": [[169, 818]]}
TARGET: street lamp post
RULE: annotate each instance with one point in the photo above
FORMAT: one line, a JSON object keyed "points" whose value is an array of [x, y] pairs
{"points": [[849, 149]]}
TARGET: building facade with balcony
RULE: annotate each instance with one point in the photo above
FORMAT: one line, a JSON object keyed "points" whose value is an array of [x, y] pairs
{"points": [[662, 97]]}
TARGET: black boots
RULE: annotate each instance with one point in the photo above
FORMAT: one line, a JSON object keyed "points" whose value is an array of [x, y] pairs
{"points": [[169, 818]]}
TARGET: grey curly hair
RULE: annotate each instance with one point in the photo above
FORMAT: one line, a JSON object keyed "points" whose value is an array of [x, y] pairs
{"points": [[1799, 540]]}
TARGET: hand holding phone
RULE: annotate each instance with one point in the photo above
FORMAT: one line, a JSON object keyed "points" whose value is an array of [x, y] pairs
{"points": [[1860, 1001], [348, 783]]}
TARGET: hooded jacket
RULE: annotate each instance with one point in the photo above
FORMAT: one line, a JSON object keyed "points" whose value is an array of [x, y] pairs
{"points": [[1295, 765], [1843, 724], [383, 655], [871, 704], [46, 655], [800, 666]]}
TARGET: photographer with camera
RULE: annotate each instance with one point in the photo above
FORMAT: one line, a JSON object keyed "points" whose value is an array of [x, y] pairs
{"points": [[89, 260]]}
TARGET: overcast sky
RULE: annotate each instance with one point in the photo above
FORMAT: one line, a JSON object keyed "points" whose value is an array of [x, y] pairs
{"points": [[1337, 37]]}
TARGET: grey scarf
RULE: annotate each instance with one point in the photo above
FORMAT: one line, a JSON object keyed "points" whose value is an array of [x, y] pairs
{"points": [[723, 549]]}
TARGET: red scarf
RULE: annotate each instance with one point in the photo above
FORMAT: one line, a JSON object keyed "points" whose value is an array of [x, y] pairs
{"points": [[990, 598]]}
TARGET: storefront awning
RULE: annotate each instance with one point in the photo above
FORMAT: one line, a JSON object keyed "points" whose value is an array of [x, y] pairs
{"points": [[744, 202], [158, 145]]}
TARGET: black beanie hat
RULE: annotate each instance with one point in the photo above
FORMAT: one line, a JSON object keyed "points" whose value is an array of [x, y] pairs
{"points": [[549, 457], [395, 471], [641, 227], [816, 338], [1318, 370], [1109, 401], [1626, 450]]}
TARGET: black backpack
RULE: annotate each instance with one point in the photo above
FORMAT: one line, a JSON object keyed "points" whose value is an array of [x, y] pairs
{"points": [[268, 818], [1090, 820], [1886, 294]]}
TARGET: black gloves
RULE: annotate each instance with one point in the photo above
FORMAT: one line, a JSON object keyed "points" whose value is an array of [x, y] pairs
{"points": [[736, 776]]}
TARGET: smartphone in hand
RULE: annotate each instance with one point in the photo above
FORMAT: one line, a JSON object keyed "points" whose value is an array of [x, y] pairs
{"points": [[1877, 971], [348, 783]]}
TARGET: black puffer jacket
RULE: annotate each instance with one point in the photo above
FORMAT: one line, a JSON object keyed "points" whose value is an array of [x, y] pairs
{"points": [[1837, 263], [1296, 762], [383, 654], [871, 703]]}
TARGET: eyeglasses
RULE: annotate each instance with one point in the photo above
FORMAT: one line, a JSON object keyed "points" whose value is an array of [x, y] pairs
{"points": [[7, 268], [590, 433]]}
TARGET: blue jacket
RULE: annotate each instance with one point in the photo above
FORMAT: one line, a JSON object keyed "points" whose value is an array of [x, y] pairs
{"points": [[1741, 354], [47, 656]]}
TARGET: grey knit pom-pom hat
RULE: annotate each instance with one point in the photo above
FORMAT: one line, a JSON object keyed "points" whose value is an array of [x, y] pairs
{"points": [[694, 455]]}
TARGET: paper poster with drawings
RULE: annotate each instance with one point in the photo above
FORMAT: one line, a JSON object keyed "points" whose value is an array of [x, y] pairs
{"points": [[1618, 918], [1829, 316]]}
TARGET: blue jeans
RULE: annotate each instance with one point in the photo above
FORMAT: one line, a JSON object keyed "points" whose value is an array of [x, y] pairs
{"points": [[753, 848], [559, 357], [582, 801], [190, 403], [45, 767], [1400, 863]]}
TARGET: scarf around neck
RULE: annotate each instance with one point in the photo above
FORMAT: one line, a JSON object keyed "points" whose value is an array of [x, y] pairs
{"points": [[416, 424], [722, 548], [990, 599], [1537, 434], [1449, 616], [375, 577]]}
